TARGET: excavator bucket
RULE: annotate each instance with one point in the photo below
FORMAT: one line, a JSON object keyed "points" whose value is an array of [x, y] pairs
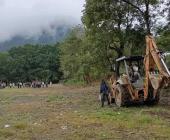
{"points": [[155, 81], [157, 72]]}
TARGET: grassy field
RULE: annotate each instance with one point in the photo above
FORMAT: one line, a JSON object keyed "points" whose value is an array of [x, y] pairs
{"points": [[67, 113]]}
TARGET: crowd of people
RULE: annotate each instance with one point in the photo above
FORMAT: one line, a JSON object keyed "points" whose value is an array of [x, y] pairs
{"points": [[3, 84], [33, 84]]}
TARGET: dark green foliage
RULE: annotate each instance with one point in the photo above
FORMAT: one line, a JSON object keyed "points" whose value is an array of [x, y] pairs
{"points": [[4, 66], [111, 29], [31, 62], [164, 39], [81, 60]]}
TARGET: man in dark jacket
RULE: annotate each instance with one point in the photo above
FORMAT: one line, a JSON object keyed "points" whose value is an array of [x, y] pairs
{"points": [[104, 91]]}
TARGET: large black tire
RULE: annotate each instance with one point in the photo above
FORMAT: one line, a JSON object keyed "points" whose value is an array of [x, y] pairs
{"points": [[120, 97]]}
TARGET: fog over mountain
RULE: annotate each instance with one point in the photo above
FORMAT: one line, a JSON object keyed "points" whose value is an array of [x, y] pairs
{"points": [[37, 21], [43, 38]]}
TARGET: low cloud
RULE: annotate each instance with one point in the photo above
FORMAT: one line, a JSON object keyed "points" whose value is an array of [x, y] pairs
{"points": [[29, 17]]}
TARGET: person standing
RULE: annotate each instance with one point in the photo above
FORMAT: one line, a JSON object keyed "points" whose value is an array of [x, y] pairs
{"points": [[104, 91], [18, 84], [10, 85], [51, 83]]}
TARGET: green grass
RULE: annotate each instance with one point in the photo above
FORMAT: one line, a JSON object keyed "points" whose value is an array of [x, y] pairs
{"points": [[75, 82], [21, 125], [6, 133], [55, 98], [40, 114]]}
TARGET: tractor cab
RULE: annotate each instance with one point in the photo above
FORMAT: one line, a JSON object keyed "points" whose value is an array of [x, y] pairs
{"points": [[132, 68]]}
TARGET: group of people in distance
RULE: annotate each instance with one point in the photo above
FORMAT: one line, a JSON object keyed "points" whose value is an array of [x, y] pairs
{"points": [[34, 84], [2, 84]]}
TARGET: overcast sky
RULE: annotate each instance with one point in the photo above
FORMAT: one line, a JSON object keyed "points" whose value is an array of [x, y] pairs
{"points": [[29, 17]]}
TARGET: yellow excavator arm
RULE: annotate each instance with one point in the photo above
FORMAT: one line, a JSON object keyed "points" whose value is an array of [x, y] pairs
{"points": [[157, 72]]}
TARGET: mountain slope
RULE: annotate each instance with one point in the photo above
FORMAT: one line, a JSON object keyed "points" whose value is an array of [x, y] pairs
{"points": [[45, 37]]}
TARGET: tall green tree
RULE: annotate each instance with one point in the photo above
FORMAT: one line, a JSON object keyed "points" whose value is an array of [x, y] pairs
{"points": [[70, 55], [4, 66], [148, 11], [164, 38], [80, 60], [110, 25]]}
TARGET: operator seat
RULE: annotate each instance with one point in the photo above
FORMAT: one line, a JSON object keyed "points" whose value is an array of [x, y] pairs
{"points": [[137, 80]]}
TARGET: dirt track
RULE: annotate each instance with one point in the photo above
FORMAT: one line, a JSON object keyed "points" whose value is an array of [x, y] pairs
{"points": [[67, 113]]}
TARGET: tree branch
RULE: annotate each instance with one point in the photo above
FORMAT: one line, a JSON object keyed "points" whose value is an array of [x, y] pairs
{"points": [[133, 5], [117, 49]]}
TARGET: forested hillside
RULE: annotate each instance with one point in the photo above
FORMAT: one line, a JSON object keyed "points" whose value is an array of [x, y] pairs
{"points": [[31, 62]]}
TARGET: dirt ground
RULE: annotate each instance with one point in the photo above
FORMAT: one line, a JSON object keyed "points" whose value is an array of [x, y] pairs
{"points": [[67, 113]]}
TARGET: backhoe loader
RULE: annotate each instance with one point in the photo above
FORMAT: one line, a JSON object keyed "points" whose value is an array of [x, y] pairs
{"points": [[140, 79]]}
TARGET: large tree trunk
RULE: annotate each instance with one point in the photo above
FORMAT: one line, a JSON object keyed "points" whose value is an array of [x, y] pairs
{"points": [[145, 14], [147, 18]]}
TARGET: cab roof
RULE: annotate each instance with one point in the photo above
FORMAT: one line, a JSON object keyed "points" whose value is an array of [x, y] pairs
{"points": [[130, 58]]}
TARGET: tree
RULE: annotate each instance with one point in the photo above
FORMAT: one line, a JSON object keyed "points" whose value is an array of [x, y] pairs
{"points": [[70, 54], [149, 10], [4, 62], [110, 26], [164, 38], [31, 62], [80, 61]]}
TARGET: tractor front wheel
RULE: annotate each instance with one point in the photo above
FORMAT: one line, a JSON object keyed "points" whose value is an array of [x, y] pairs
{"points": [[119, 96]]}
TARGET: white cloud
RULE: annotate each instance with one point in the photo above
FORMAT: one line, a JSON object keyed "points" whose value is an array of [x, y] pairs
{"points": [[29, 17]]}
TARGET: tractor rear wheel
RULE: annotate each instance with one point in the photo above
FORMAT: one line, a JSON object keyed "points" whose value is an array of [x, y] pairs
{"points": [[120, 96]]}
